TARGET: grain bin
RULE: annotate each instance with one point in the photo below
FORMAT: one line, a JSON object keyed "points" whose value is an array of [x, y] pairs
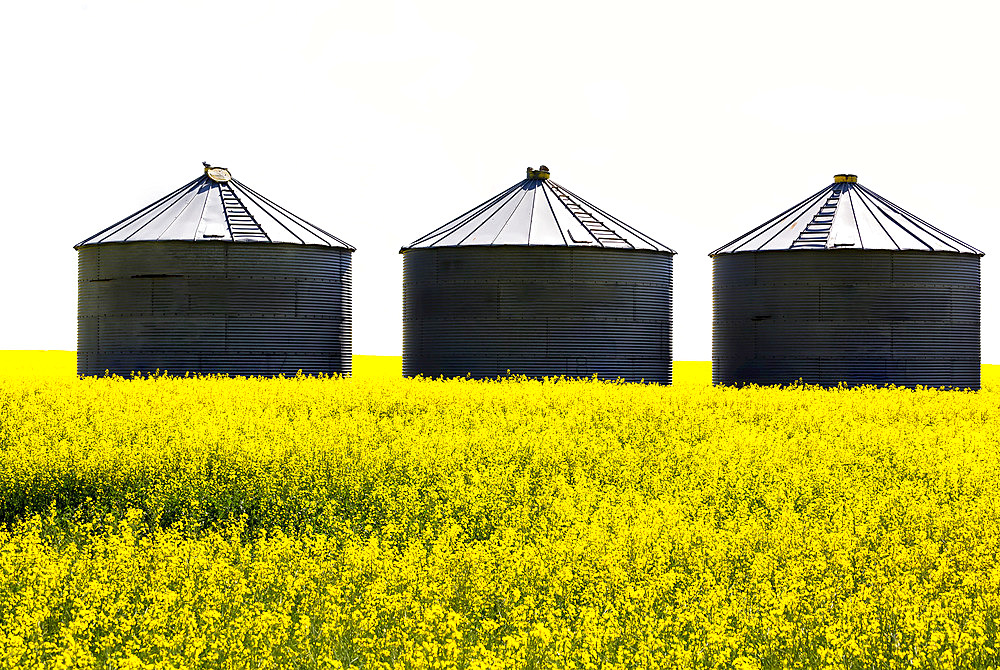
{"points": [[846, 287], [537, 281], [214, 278]]}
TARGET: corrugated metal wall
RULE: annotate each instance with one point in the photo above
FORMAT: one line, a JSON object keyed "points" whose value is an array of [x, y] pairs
{"points": [[537, 311], [213, 307], [862, 317]]}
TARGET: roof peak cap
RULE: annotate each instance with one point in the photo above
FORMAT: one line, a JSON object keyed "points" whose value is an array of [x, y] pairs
{"points": [[845, 178], [541, 173], [218, 174]]}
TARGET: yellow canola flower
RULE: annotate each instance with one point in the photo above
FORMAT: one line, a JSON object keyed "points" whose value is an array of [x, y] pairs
{"points": [[379, 522]]}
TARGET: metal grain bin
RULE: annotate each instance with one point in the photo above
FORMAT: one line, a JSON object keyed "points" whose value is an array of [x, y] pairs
{"points": [[537, 281], [214, 278], [846, 287]]}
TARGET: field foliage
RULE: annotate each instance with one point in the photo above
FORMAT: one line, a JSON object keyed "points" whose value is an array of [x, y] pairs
{"points": [[378, 522]]}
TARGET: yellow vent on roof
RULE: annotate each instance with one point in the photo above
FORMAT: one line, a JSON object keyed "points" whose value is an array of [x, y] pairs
{"points": [[541, 173], [841, 178]]}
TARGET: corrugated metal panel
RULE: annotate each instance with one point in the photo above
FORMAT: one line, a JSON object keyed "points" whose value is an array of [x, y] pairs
{"points": [[537, 311], [862, 317], [222, 307]]}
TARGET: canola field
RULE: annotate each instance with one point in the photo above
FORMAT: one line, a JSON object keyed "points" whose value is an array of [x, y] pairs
{"points": [[376, 522]]}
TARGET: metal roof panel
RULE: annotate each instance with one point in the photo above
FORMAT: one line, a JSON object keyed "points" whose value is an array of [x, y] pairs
{"points": [[545, 230], [518, 225]]}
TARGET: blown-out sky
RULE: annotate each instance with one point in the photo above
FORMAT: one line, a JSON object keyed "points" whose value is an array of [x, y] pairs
{"points": [[379, 121]]}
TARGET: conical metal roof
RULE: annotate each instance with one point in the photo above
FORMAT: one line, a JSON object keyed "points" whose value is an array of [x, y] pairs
{"points": [[215, 207], [846, 215], [537, 212]]}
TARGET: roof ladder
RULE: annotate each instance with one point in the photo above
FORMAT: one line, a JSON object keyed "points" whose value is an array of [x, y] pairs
{"points": [[816, 234], [242, 226], [605, 236]]}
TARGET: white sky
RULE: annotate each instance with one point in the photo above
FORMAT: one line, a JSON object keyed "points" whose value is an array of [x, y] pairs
{"points": [[379, 121]]}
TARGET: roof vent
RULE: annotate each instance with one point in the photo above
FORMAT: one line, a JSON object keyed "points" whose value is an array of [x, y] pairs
{"points": [[541, 173], [218, 174], [842, 178]]}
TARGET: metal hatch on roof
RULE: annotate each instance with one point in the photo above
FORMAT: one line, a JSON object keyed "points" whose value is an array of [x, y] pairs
{"points": [[215, 207], [846, 215], [537, 212]]}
